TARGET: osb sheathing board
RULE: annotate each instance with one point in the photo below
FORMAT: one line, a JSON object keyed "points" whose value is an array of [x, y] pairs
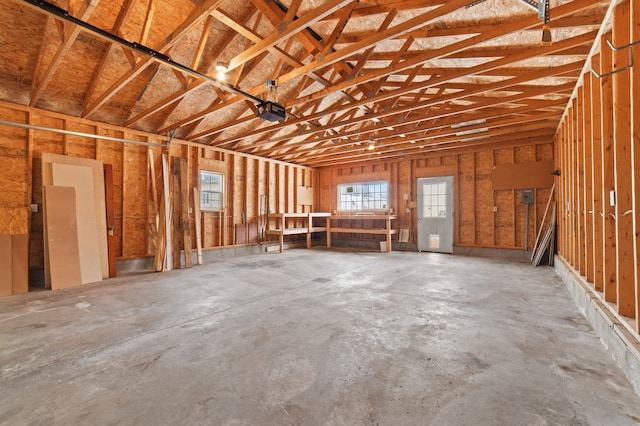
{"points": [[134, 214], [484, 199], [476, 222], [114, 154], [14, 221], [251, 182], [131, 177], [504, 219], [466, 191]]}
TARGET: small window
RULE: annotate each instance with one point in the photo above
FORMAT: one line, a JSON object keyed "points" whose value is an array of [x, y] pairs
{"points": [[211, 190], [362, 196], [434, 200]]}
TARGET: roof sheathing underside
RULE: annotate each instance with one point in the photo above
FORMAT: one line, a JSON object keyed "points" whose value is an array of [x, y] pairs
{"points": [[400, 77]]}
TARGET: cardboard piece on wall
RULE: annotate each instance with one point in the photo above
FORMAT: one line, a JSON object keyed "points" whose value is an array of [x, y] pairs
{"points": [[6, 271], [304, 196], [81, 178], [20, 263], [64, 254], [522, 176]]}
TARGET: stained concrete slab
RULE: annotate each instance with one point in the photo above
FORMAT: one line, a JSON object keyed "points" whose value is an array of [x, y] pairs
{"points": [[312, 337]]}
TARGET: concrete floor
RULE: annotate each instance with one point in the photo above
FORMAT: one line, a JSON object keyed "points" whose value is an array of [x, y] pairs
{"points": [[311, 337]]}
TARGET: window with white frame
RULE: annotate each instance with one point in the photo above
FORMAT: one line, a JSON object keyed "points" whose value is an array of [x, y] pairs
{"points": [[362, 196], [211, 190]]}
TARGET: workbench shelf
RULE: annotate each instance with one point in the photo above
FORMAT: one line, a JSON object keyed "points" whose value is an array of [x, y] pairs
{"points": [[287, 224], [334, 226]]}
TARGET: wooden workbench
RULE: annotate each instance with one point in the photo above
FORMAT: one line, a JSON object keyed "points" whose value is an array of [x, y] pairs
{"points": [[334, 226], [283, 225]]}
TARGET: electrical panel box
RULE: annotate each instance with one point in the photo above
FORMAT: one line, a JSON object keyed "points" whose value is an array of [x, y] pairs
{"points": [[527, 196]]}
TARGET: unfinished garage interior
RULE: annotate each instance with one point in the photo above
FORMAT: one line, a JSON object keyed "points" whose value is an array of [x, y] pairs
{"points": [[320, 212]]}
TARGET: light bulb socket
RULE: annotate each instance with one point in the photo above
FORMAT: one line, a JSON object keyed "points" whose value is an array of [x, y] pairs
{"points": [[546, 35]]}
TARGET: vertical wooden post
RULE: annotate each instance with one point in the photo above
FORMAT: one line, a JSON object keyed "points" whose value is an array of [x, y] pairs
{"points": [[580, 188], [562, 192], [245, 198], [475, 204], [622, 159], [588, 178], [29, 179], [111, 220], [279, 190], [635, 148], [230, 206], [184, 207], [168, 212], [596, 178], [176, 228], [493, 200], [197, 218], [575, 199], [608, 184]]}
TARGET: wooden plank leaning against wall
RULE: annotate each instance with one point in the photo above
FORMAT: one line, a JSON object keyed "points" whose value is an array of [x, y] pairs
{"points": [[135, 214], [611, 160]]}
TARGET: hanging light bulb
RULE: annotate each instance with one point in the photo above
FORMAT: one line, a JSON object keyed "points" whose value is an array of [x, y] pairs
{"points": [[221, 70]]}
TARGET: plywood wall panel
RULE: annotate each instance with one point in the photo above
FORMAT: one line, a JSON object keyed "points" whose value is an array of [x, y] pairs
{"points": [[450, 160], [6, 270], [466, 195], [433, 162], [136, 202], [484, 198], [251, 183], [14, 220], [13, 161], [79, 146], [20, 263], [13, 164], [113, 154], [518, 237], [503, 156], [544, 152], [87, 217], [64, 253], [504, 218], [48, 141], [98, 194], [524, 154]]}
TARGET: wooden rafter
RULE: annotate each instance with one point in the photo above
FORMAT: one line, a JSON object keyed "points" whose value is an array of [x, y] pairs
{"points": [[399, 73], [69, 36]]}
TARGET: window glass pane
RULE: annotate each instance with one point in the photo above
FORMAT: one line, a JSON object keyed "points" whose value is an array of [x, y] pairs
{"points": [[362, 196], [211, 190]]}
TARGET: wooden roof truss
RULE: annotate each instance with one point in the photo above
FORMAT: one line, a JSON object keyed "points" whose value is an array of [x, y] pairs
{"points": [[360, 80]]}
